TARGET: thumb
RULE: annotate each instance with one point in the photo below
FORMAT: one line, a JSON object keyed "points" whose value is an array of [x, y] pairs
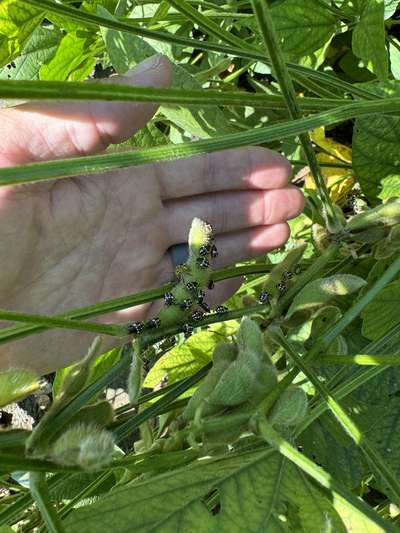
{"points": [[55, 130]]}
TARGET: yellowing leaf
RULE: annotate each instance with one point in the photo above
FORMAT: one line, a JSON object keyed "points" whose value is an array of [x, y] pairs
{"points": [[340, 181]]}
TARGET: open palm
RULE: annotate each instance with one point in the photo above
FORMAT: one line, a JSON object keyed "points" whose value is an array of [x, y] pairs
{"points": [[77, 241]]}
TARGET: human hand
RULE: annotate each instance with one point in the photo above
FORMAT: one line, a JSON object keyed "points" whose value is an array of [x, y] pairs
{"points": [[74, 242]]}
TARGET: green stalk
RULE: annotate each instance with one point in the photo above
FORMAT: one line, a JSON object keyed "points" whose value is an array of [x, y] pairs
{"points": [[78, 90], [9, 463], [90, 19], [116, 304], [267, 30], [359, 359], [82, 166], [127, 427], [311, 273], [54, 322], [319, 475], [40, 493], [380, 466]]}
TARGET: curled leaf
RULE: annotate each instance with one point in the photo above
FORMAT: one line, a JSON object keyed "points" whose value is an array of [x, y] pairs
{"points": [[322, 290]]}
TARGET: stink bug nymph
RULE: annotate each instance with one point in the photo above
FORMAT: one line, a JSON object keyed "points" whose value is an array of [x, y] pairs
{"points": [[169, 298], [210, 285], [186, 304], [200, 296], [192, 286], [264, 297], [287, 275], [154, 323], [135, 327], [204, 250], [187, 329], [214, 251], [281, 286], [196, 315], [202, 262], [221, 309]]}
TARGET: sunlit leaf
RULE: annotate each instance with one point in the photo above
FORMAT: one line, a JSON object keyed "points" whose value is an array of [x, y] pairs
{"points": [[320, 291], [16, 384], [17, 22], [369, 39], [283, 500]]}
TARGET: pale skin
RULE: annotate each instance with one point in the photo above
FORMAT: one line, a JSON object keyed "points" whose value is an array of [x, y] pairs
{"points": [[75, 242]]}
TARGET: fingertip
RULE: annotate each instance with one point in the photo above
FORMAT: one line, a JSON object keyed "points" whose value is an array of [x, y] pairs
{"points": [[269, 238], [269, 169]]}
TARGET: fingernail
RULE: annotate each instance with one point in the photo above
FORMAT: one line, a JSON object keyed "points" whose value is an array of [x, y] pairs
{"points": [[148, 64]]}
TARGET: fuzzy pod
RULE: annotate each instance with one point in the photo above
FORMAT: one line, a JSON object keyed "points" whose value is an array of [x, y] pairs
{"points": [[87, 446], [290, 408], [387, 214], [100, 414], [223, 356], [250, 338], [79, 375]]}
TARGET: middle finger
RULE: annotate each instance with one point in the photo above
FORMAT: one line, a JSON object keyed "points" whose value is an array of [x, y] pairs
{"points": [[233, 211]]}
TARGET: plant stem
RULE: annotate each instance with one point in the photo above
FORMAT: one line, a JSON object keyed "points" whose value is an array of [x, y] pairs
{"points": [[359, 359], [267, 29], [56, 322], [91, 19], [86, 165], [16, 332], [40, 493]]}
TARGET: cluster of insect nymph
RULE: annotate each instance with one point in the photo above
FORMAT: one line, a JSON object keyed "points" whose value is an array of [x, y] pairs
{"points": [[281, 286], [190, 306]]}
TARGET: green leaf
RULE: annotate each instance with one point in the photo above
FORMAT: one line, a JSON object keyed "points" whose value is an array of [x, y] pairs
{"points": [[374, 408], [15, 384], [188, 357], [382, 313], [17, 22], [304, 29], [390, 8], [40, 48], [74, 58], [369, 38], [126, 50], [285, 500], [320, 291], [376, 148]]}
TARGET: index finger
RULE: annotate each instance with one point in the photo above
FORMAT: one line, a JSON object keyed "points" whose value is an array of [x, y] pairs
{"points": [[237, 169]]}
